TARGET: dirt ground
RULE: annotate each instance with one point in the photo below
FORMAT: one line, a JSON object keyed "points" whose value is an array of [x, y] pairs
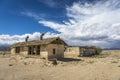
{"points": [[103, 67]]}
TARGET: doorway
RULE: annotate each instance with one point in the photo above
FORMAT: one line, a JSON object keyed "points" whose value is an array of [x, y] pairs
{"points": [[54, 51], [29, 51]]}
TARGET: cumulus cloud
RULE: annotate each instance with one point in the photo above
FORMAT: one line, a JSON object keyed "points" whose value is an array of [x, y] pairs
{"points": [[9, 40], [95, 24]]}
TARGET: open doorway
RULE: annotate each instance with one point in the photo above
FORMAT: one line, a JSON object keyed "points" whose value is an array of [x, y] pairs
{"points": [[38, 50], [17, 49], [34, 50], [29, 51], [54, 51]]}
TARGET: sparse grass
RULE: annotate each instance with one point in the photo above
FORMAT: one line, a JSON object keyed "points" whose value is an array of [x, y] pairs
{"points": [[114, 61], [2, 79], [116, 56], [4, 52], [90, 62], [118, 65], [101, 56], [25, 63], [10, 64], [27, 57], [119, 79]]}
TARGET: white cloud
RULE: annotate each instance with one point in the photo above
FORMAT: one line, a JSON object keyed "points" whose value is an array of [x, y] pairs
{"points": [[95, 24], [7, 39], [90, 24]]}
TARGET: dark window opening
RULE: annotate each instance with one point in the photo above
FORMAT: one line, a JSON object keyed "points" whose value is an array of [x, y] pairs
{"points": [[17, 50], [29, 50], [34, 50], [38, 50], [54, 51]]}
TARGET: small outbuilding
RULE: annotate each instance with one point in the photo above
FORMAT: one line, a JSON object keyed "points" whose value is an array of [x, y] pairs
{"points": [[77, 51], [45, 48]]}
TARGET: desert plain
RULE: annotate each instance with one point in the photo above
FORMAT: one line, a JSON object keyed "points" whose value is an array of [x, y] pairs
{"points": [[105, 66]]}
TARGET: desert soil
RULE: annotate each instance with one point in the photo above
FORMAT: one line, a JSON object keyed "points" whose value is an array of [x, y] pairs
{"points": [[103, 67]]}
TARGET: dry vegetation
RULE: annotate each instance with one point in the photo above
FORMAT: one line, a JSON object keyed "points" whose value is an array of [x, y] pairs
{"points": [[105, 66], [6, 52]]}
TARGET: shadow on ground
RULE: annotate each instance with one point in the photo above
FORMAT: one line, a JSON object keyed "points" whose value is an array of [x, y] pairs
{"points": [[68, 59]]}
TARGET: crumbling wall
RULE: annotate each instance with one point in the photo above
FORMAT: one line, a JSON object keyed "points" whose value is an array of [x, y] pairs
{"points": [[59, 50], [24, 53], [72, 52], [44, 54], [13, 51]]}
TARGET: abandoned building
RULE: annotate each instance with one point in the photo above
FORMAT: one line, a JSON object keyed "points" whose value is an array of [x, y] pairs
{"points": [[50, 48], [45, 48], [77, 51]]}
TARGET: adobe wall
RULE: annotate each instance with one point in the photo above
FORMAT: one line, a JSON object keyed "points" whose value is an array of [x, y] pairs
{"points": [[46, 51], [13, 51], [72, 52], [59, 50], [24, 53], [44, 54]]}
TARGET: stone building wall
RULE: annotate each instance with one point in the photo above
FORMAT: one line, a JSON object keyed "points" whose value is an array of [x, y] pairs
{"points": [[46, 51], [72, 52], [13, 51], [55, 50]]}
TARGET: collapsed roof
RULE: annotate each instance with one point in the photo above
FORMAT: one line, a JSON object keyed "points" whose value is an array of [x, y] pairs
{"points": [[38, 42]]}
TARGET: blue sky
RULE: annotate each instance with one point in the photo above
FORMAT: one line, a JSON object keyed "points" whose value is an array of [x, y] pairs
{"points": [[78, 22], [13, 22]]}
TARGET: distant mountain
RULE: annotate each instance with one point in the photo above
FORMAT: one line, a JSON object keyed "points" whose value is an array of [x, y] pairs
{"points": [[4, 47], [112, 49]]}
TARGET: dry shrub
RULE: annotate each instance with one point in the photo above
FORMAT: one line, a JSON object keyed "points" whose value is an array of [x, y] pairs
{"points": [[101, 56], [114, 61], [90, 62], [10, 64], [119, 79], [25, 63], [118, 65], [116, 56]]}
